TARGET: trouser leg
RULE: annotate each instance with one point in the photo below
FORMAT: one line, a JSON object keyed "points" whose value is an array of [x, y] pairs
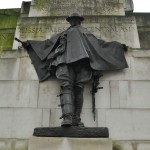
{"points": [[67, 103], [83, 74], [66, 76], [78, 106], [72, 78]]}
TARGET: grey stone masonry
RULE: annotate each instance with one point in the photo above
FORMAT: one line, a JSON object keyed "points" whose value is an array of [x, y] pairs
{"points": [[121, 29], [143, 24], [47, 143], [63, 8]]}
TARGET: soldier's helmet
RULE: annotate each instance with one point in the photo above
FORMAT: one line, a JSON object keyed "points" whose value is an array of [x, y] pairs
{"points": [[75, 15]]}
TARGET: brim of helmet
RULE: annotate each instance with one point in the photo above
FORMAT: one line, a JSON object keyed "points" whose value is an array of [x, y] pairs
{"points": [[69, 18]]}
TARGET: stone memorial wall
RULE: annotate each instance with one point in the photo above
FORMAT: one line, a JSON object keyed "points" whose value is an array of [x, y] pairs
{"points": [[121, 29], [122, 105], [84, 7], [8, 22], [128, 5], [143, 24]]}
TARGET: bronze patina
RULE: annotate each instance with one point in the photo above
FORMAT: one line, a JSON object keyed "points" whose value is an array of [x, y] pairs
{"points": [[75, 56]]}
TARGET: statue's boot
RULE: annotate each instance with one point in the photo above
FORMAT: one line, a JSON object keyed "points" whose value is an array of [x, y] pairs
{"points": [[67, 105], [78, 107]]}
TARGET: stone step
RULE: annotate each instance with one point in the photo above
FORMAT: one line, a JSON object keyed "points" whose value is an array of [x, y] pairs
{"points": [[53, 143]]}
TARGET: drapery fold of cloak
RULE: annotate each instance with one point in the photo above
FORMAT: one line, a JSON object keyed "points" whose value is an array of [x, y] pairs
{"points": [[80, 44]]}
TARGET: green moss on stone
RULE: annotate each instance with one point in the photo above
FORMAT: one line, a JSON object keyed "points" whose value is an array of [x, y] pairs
{"points": [[39, 4], [10, 12], [6, 39], [117, 146], [8, 23]]}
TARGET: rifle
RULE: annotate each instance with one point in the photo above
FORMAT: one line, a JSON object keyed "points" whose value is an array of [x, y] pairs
{"points": [[95, 88], [24, 44], [18, 40]]}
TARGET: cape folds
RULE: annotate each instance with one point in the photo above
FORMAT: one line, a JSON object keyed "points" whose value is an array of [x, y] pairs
{"points": [[72, 45]]}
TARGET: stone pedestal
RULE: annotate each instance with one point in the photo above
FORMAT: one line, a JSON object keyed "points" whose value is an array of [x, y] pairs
{"points": [[75, 132], [57, 143]]}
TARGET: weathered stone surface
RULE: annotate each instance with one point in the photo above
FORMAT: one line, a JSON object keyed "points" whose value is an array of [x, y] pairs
{"points": [[144, 36], [141, 53], [143, 24], [8, 100], [11, 13], [115, 99], [6, 39], [5, 144], [143, 145], [19, 122], [25, 8], [125, 94], [28, 92], [88, 119], [9, 54], [8, 24], [45, 143], [6, 123], [128, 5], [123, 145], [21, 93], [131, 145], [127, 124], [121, 29], [102, 97], [142, 19], [54, 118], [48, 92], [21, 144], [63, 8], [140, 68], [46, 117], [9, 69], [27, 71], [13, 144]]}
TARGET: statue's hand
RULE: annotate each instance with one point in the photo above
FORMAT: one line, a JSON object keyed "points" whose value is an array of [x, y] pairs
{"points": [[125, 48], [25, 45]]}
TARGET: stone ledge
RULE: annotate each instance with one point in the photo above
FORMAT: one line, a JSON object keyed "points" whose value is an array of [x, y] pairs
{"points": [[78, 132], [53, 143]]}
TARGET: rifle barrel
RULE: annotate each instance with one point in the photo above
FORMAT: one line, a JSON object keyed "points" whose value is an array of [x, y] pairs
{"points": [[18, 40]]}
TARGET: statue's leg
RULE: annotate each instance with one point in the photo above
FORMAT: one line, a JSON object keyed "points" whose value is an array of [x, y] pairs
{"points": [[83, 74], [67, 103], [78, 106], [66, 76]]}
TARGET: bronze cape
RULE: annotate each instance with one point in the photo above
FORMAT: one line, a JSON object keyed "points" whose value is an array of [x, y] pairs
{"points": [[78, 43]]}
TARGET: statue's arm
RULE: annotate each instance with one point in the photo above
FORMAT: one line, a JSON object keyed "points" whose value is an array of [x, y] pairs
{"points": [[25, 44], [125, 47], [102, 42]]}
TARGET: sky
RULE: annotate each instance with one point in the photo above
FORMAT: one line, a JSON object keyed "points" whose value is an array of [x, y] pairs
{"points": [[139, 5]]}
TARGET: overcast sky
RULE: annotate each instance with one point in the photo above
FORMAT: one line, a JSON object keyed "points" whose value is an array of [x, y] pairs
{"points": [[139, 5]]}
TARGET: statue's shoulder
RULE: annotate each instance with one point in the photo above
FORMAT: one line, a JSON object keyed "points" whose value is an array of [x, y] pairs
{"points": [[84, 30]]}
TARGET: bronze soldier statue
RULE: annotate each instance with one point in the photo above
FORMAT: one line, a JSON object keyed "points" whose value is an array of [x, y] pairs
{"points": [[74, 57]]}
